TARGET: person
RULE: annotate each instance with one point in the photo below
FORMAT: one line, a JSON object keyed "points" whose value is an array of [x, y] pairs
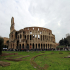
{"points": [[30, 47], [22, 49]]}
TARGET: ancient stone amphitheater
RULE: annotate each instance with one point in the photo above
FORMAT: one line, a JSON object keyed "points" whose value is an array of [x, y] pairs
{"points": [[31, 38]]}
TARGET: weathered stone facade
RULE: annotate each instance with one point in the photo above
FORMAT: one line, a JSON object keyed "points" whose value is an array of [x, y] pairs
{"points": [[6, 41], [33, 37]]}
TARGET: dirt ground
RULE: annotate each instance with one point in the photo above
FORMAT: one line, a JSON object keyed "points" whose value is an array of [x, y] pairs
{"points": [[7, 54], [67, 56], [12, 58], [16, 59], [35, 65], [2, 63]]}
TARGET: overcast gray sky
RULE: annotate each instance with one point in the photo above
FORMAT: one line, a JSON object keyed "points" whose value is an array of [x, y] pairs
{"points": [[51, 14]]}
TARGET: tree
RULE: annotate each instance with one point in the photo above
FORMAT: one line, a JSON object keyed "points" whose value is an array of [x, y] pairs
{"points": [[64, 42], [1, 44], [68, 37], [61, 42]]}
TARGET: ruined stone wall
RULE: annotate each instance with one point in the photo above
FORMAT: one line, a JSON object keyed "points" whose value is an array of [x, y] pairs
{"points": [[5, 40]]}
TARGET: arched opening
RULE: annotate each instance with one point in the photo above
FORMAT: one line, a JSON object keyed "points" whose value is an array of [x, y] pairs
{"points": [[23, 46], [30, 32], [33, 45], [20, 46], [38, 36], [33, 36], [41, 46], [36, 46], [46, 46], [30, 37]]}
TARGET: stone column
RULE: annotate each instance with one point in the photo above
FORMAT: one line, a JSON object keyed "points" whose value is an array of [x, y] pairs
{"points": [[14, 45], [21, 46], [37, 45], [45, 46], [24, 46], [42, 37], [40, 45]]}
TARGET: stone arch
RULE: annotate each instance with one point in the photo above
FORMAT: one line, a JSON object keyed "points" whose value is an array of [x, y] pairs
{"points": [[23, 46], [33, 45], [20, 46], [30, 37], [46, 46], [41, 46], [36, 46], [25, 36]]}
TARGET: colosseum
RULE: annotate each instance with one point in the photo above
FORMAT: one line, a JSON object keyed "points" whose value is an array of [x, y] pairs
{"points": [[34, 38]]}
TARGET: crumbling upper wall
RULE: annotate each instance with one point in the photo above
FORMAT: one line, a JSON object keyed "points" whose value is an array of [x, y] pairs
{"points": [[37, 29]]}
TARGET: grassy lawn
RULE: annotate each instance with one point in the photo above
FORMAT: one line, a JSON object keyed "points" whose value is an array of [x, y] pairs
{"points": [[51, 61]]}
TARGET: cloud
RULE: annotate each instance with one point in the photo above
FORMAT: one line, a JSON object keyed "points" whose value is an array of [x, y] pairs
{"points": [[52, 14]]}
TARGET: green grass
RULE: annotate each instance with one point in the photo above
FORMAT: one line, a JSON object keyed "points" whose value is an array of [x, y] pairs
{"points": [[54, 61]]}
